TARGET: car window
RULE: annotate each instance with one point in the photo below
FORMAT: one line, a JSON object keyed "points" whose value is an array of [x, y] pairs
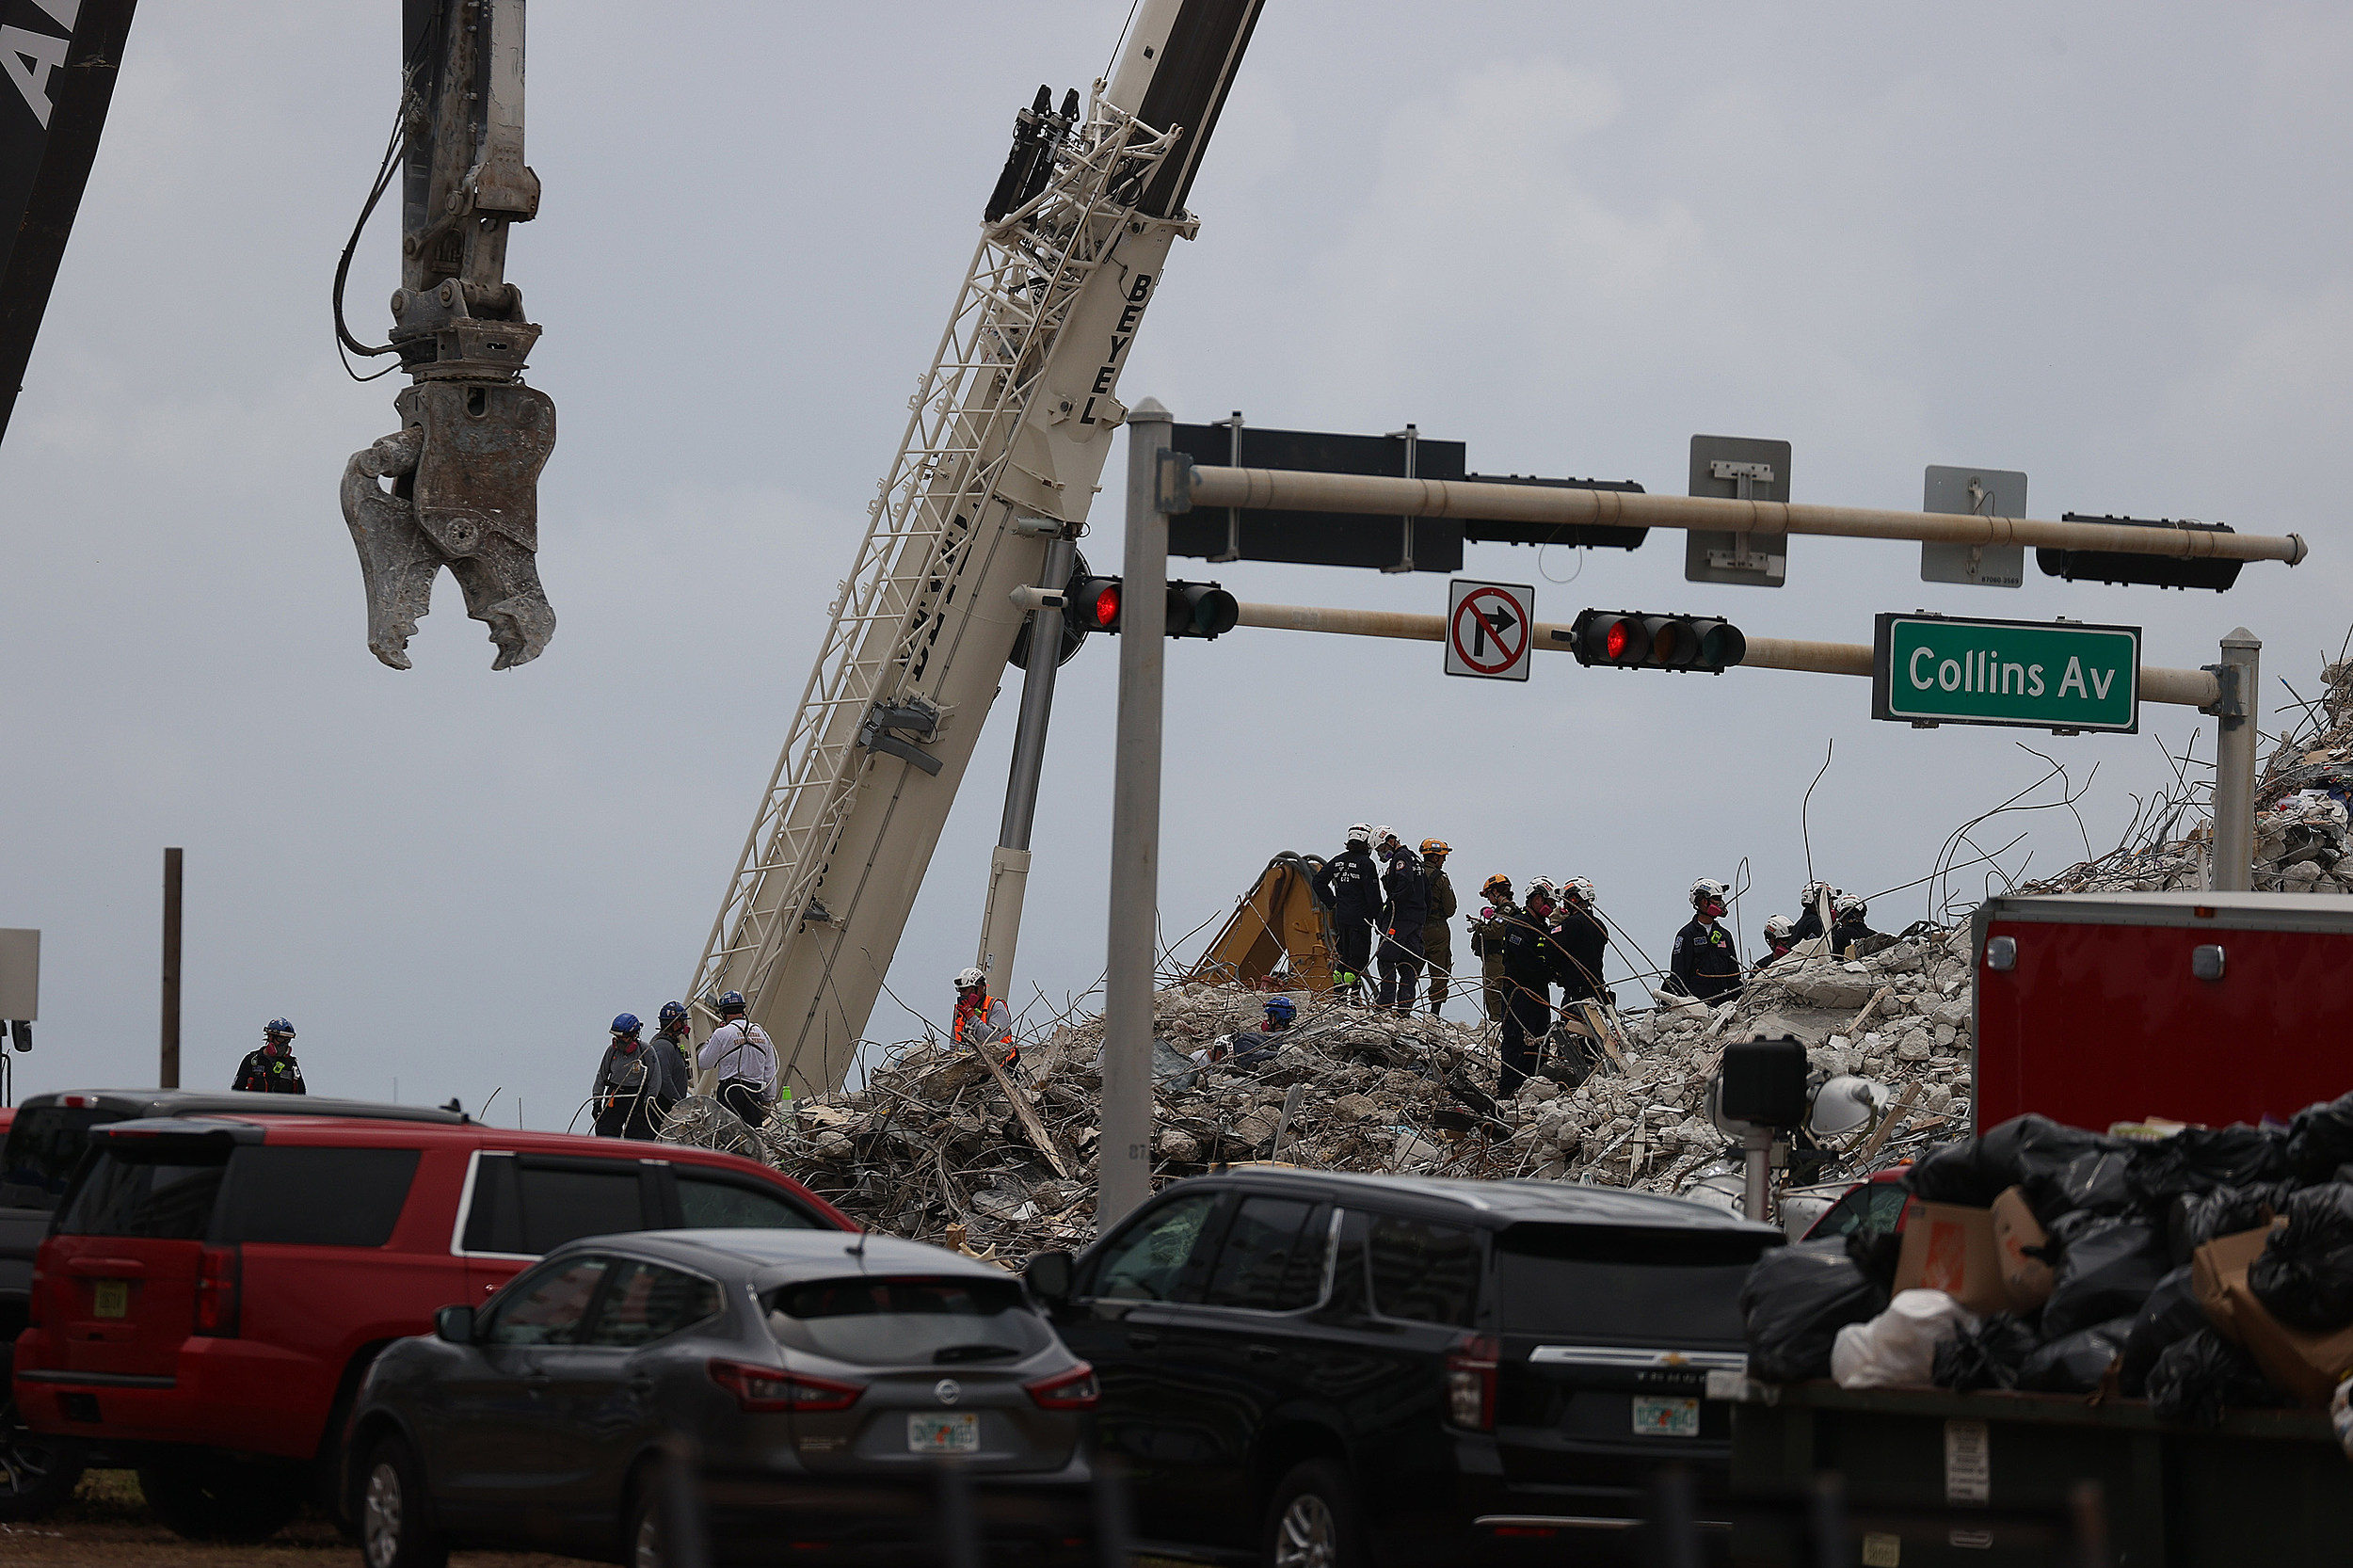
{"points": [[144, 1198], [1269, 1260], [44, 1145], [647, 1302], [317, 1198], [895, 1321], [545, 1307], [1424, 1272], [712, 1203], [521, 1206], [1887, 1204], [1846, 1215], [1623, 1285], [1148, 1263]]}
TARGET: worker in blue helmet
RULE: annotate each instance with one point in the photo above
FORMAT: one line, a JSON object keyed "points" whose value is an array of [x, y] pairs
{"points": [[272, 1069], [674, 1058], [627, 1082], [739, 1052]]}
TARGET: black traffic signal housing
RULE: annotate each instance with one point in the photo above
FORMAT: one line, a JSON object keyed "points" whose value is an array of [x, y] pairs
{"points": [[1195, 609], [1626, 639], [2160, 571]]}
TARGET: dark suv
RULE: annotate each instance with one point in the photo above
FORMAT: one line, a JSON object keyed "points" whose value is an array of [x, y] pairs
{"points": [[1304, 1367]]}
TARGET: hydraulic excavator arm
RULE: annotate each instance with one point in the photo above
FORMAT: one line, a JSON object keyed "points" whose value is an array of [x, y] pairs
{"points": [[1279, 927], [457, 485], [999, 464]]}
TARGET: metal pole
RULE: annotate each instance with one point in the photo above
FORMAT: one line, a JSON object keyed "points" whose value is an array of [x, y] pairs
{"points": [[169, 1074], [1756, 1176], [2234, 763], [1009, 866], [1124, 1154]]}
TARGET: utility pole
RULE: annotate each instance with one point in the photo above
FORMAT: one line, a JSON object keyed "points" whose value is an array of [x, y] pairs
{"points": [[2238, 677], [169, 1077], [1124, 1154]]}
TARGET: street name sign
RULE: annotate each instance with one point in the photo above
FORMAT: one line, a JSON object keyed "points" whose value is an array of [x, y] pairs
{"points": [[2027, 674], [1487, 627]]}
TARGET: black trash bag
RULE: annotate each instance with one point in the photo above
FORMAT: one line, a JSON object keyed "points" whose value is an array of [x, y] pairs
{"points": [[1988, 1356], [2198, 1217], [2031, 1148], [2201, 1159], [2171, 1313], [2094, 1182], [2107, 1265], [2305, 1277], [1794, 1303], [1877, 1253], [1950, 1175], [2202, 1374], [2077, 1362], [2321, 1139]]}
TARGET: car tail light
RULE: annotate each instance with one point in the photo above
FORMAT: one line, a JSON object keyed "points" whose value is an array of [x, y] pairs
{"points": [[771, 1389], [217, 1280], [1073, 1390], [1470, 1382]]}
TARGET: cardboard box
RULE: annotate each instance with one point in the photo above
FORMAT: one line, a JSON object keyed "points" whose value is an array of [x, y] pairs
{"points": [[1951, 1248], [2309, 1366], [2026, 1280]]}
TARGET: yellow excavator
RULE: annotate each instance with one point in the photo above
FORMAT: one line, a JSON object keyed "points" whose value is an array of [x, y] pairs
{"points": [[1279, 937]]}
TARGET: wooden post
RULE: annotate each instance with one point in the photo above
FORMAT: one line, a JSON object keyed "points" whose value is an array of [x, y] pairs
{"points": [[169, 1077]]}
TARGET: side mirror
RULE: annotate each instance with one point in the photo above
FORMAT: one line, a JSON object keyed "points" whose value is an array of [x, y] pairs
{"points": [[455, 1324], [1049, 1275]]}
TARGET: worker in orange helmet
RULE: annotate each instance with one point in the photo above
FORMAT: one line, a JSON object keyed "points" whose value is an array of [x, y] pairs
{"points": [[1437, 937]]}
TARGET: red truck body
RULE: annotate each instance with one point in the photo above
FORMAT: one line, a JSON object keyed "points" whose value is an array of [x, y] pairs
{"points": [[2100, 1018]]}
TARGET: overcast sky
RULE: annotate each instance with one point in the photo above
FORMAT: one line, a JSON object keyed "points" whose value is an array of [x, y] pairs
{"points": [[2109, 245]]}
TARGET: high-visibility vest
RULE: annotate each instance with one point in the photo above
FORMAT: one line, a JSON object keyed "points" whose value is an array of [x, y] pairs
{"points": [[980, 1011]]}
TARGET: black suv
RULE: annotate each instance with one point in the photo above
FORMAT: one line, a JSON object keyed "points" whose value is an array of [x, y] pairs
{"points": [[45, 1146], [1303, 1367]]}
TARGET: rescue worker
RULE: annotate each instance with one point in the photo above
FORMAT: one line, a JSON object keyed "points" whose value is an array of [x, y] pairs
{"points": [[628, 1083], [983, 1021], [674, 1058], [272, 1069], [1242, 1049], [1404, 913], [1810, 922], [1704, 964], [1852, 927], [1349, 886], [739, 1052], [1486, 941], [1437, 937], [1583, 941], [1529, 965], [1778, 939]]}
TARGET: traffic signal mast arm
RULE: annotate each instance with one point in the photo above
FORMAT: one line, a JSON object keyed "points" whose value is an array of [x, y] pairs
{"points": [[1292, 490], [2184, 688]]}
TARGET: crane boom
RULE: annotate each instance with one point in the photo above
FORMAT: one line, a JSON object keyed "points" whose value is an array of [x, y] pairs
{"points": [[1007, 436]]}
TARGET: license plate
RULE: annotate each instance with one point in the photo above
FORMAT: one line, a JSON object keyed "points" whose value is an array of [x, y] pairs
{"points": [[1657, 1418], [110, 1298], [947, 1434]]}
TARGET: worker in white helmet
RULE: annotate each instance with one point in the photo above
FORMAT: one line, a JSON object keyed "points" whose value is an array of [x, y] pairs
{"points": [[982, 1020], [1350, 887], [1705, 964]]}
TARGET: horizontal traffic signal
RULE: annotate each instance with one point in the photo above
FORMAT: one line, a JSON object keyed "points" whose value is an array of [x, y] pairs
{"points": [[1630, 640], [1195, 609], [2159, 571]]}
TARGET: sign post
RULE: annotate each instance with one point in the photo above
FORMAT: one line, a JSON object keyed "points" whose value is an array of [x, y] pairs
{"points": [[2030, 675], [1489, 627]]}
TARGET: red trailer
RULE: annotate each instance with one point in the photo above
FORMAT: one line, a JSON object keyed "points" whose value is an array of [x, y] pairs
{"points": [[2196, 1006]]}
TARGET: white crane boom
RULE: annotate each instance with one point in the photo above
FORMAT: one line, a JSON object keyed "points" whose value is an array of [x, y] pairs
{"points": [[1008, 434]]}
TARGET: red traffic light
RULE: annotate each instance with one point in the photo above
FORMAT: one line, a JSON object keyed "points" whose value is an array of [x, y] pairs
{"points": [[1095, 603], [1630, 641], [1619, 636]]}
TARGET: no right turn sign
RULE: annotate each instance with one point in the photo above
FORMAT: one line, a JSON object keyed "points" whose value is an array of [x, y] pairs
{"points": [[1487, 628]]}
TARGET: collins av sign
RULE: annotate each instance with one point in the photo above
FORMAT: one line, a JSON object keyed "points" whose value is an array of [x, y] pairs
{"points": [[2033, 675]]}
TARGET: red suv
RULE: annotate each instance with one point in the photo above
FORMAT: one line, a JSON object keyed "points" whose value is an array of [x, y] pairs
{"points": [[214, 1287]]}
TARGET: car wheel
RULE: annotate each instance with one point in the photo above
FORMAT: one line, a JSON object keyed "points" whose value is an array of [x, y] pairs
{"points": [[37, 1472], [205, 1497], [642, 1536], [1312, 1522], [394, 1531]]}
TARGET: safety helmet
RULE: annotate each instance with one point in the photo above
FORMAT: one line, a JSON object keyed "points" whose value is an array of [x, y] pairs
{"points": [[672, 1012], [1846, 906], [1360, 834], [279, 1027], [1777, 927], [1383, 835], [967, 979], [1283, 1008], [1436, 846], [1487, 889], [1581, 889], [1814, 890], [730, 1002], [1707, 888], [1542, 887], [626, 1023], [1844, 1104]]}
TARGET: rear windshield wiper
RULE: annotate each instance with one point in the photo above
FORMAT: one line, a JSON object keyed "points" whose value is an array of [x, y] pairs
{"points": [[971, 1353]]}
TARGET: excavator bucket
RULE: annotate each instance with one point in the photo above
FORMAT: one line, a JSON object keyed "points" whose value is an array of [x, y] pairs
{"points": [[1280, 928]]}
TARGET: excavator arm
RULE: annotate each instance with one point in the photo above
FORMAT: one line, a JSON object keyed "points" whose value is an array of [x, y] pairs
{"points": [[1279, 927], [457, 485]]}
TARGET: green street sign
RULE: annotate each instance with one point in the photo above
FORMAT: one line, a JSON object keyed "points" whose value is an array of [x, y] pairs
{"points": [[2031, 675]]}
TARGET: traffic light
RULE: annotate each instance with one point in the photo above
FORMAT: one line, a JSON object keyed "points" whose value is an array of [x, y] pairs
{"points": [[1195, 609], [1628, 640], [2160, 571]]}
